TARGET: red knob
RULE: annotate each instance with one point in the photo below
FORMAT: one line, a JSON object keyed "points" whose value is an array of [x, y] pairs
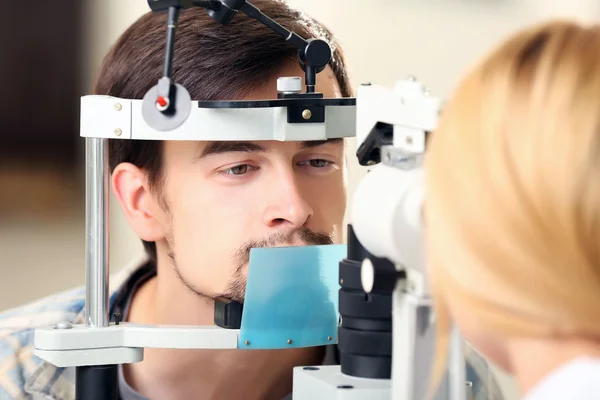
{"points": [[161, 101]]}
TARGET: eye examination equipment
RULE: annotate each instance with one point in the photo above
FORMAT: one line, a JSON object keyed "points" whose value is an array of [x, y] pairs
{"points": [[369, 297], [387, 333]]}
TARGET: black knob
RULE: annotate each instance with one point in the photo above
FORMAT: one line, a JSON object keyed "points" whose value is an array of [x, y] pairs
{"points": [[318, 53], [117, 316]]}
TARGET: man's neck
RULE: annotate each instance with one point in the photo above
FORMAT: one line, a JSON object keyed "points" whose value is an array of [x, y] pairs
{"points": [[183, 374]]}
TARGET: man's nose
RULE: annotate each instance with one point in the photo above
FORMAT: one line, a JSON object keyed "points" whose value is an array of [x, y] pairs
{"points": [[287, 203]]}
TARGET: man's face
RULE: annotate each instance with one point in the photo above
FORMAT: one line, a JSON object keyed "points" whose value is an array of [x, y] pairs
{"points": [[220, 199]]}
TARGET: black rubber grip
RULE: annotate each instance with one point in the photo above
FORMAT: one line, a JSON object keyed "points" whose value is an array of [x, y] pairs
{"points": [[362, 305], [381, 325], [366, 343], [366, 367]]}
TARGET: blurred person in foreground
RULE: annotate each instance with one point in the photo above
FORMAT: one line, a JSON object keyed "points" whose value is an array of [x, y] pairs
{"points": [[513, 222], [199, 208]]}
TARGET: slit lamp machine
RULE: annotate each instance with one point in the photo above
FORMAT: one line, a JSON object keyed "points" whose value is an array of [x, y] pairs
{"points": [[369, 297]]}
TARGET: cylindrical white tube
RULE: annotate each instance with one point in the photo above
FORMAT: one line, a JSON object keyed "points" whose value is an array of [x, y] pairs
{"points": [[386, 215]]}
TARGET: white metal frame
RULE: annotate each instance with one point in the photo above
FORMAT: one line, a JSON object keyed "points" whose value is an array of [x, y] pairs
{"points": [[104, 118], [107, 117]]}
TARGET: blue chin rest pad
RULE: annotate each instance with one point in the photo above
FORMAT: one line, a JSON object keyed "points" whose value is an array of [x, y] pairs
{"points": [[291, 297]]}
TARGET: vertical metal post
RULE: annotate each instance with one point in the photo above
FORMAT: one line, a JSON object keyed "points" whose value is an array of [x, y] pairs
{"points": [[457, 368], [97, 232]]}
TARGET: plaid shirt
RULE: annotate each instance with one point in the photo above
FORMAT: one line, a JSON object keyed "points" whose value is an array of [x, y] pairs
{"points": [[25, 376]]}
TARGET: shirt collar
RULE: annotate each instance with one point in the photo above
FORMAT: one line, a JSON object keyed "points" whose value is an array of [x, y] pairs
{"points": [[576, 379]]}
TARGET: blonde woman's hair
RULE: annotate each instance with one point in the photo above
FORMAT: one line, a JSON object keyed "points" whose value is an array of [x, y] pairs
{"points": [[513, 189]]}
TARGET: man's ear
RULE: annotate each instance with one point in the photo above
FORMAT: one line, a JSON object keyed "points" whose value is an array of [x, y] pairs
{"points": [[130, 187]]}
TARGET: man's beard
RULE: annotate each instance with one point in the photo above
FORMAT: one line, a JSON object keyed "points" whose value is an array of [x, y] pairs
{"points": [[236, 287]]}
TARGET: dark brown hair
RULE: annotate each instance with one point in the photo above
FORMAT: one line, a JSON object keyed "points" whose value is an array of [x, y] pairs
{"points": [[212, 61]]}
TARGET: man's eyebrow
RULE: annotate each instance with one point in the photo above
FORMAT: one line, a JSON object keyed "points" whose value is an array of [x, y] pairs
{"points": [[316, 143], [220, 147]]}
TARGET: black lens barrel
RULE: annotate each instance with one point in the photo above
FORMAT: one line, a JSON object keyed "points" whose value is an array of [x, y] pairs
{"points": [[365, 333]]}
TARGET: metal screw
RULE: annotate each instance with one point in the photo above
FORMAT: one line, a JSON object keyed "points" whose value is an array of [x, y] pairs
{"points": [[118, 106], [306, 114], [63, 325], [409, 140], [341, 281], [289, 341], [329, 338], [247, 343], [118, 132]]}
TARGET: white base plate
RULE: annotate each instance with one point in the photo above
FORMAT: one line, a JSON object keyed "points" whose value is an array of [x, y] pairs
{"points": [[328, 383]]}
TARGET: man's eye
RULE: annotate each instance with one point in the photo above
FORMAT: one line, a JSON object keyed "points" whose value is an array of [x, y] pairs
{"points": [[238, 169], [319, 163]]}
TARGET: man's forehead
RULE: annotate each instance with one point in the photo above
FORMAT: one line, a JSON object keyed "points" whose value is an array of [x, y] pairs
{"points": [[205, 149]]}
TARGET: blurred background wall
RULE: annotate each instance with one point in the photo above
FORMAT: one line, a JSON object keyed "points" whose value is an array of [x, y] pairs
{"points": [[49, 57]]}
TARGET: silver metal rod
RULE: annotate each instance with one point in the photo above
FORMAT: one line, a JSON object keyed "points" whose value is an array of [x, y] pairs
{"points": [[97, 232], [457, 368]]}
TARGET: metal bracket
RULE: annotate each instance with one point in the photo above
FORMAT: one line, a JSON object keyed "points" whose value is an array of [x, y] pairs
{"points": [[81, 345]]}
